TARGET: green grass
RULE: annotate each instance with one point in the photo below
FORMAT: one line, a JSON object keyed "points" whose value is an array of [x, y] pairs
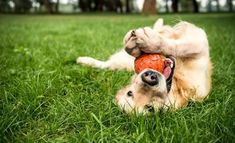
{"points": [[46, 97]]}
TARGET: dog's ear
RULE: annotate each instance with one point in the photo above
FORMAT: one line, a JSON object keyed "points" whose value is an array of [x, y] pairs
{"points": [[158, 24]]}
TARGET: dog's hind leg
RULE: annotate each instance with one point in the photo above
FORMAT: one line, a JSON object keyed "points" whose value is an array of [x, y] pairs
{"points": [[92, 62], [118, 61]]}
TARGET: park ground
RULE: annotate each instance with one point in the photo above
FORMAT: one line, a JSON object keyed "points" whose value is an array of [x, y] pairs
{"points": [[46, 97]]}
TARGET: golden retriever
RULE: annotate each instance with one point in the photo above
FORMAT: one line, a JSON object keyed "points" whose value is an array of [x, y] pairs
{"points": [[188, 74]]}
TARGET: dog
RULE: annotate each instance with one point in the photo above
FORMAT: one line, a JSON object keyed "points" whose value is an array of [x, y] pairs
{"points": [[188, 65]]}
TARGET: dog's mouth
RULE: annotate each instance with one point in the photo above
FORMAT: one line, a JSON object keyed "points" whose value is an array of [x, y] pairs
{"points": [[169, 71], [169, 67]]}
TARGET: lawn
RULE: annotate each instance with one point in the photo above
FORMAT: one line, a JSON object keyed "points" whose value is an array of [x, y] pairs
{"points": [[46, 97]]}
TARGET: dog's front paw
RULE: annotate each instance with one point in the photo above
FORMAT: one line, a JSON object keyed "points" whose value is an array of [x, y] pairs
{"points": [[148, 40], [142, 40], [130, 44]]}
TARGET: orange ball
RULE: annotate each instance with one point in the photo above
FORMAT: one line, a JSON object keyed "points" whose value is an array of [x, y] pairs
{"points": [[152, 61]]}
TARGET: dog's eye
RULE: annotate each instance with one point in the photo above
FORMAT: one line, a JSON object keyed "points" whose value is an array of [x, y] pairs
{"points": [[129, 93]]}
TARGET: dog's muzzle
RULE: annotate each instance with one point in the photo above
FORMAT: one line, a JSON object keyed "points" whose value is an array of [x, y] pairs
{"points": [[150, 77]]}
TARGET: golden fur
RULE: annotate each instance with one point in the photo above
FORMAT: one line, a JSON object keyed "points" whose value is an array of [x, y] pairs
{"points": [[192, 75]]}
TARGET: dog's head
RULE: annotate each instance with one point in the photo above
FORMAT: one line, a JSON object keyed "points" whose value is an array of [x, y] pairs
{"points": [[147, 91]]}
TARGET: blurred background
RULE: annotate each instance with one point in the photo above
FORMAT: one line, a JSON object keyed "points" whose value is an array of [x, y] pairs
{"points": [[115, 6]]}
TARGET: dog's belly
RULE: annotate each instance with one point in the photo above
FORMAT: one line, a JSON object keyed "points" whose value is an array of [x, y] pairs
{"points": [[198, 80], [195, 72]]}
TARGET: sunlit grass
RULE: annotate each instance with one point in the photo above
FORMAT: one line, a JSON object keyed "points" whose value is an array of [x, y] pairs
{"points": [[46, 97]]}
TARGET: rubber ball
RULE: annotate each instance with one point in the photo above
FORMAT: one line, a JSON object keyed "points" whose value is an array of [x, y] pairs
{"points": [[151, 61]]}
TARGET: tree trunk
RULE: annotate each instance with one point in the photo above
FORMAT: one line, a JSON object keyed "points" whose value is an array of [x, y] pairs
{"points": [[175, 5], [166, 6], [195, 6], [230, 5], [127, 6], [149, 7], [84, 5], [119, 6], [217, 5], [57, 6], [209, 6], [48, 6]]}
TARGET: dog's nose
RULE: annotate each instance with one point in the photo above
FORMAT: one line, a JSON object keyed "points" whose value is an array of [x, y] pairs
{"points": [[150, 77]]}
